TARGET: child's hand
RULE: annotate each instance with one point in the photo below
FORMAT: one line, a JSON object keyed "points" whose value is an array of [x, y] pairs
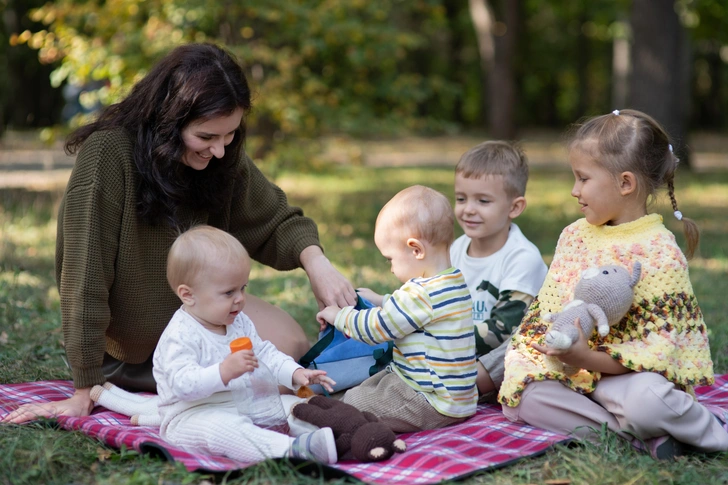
{"points": [[237, 364], [305, 377], [578, 355], [326, 316], [581, 356], [375, 298]]}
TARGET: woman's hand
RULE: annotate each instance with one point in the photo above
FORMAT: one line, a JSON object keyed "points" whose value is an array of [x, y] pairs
{"points": [[78, 405], [328, 285], [305, 377]]}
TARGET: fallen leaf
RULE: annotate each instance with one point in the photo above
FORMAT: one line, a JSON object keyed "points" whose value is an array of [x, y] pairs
{"points": [[103, 454], [4, 338]]}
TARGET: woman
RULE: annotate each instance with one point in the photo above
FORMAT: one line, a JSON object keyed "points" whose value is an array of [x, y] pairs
{"points": [[169, 156]]}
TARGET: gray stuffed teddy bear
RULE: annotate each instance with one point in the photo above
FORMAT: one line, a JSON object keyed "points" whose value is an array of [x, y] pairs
{"points": [[602, 297]]}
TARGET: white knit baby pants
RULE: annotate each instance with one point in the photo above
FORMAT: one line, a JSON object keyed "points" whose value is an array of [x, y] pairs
{"points": [[218, 429]]}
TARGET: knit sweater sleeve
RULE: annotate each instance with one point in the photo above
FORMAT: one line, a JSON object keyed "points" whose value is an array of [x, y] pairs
{"points": [[183, 365], [89, 224], [664, 331], [273, 232], [280, 365], [523, 363]]}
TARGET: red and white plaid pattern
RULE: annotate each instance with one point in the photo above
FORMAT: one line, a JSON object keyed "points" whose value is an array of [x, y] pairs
{"points": [[485, 441]]}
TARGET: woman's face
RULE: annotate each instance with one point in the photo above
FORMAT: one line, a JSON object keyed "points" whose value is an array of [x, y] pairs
{"points": [[206, 139]]}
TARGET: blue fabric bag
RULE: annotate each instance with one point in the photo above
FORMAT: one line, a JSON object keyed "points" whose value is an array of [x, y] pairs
{"points": [[347, 361]]}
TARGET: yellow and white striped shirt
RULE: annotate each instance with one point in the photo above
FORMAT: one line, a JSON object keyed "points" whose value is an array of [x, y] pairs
{"points": [[429, 320]]}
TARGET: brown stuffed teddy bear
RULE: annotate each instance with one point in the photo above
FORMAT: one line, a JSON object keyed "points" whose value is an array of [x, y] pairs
{"points": [[359, 435]]}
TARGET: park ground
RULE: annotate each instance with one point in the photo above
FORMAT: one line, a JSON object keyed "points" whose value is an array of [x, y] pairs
{"points": [[344, 198], [27, 161]]}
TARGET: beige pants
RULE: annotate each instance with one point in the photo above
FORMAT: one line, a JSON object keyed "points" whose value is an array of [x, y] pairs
{"points": [[642, 403], [393, 401], [494, 363]]}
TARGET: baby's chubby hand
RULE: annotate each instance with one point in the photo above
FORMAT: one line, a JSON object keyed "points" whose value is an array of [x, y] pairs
{"points": [[305, 377], [236, 364], [370, 295], [327, 316]]}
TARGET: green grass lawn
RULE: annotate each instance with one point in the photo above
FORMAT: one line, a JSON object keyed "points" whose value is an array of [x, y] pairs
{"points": [[344, 201]]}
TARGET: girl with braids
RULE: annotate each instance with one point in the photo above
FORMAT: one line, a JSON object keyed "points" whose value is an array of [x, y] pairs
{"points": [[638, 379], [167, 157]]}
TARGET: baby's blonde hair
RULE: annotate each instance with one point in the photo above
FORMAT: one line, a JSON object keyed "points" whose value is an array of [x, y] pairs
{"points": [[199, 249], [422, 213]]}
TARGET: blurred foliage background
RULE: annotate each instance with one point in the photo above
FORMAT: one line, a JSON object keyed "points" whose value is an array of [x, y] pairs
{"points": [[380, 68]]}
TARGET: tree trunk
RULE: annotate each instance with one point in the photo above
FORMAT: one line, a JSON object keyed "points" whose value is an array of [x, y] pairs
{"points": [[708, 88], [483, 20], [583, 56], [452, 11], [497, 42], [620, 69], [715, 114], [502, 92], [660, 64], [30, 100]]}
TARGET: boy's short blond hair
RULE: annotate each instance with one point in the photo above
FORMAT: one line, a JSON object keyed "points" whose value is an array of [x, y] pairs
{"points": [[422, 213], [497, 158], [199, 249]]}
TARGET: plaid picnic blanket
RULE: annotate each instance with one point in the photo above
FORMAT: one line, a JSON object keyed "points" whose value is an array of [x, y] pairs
{"points": [[485, 441]]}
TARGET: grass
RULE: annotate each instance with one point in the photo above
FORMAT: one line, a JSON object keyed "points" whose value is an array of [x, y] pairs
{"points": [[344, 201]]}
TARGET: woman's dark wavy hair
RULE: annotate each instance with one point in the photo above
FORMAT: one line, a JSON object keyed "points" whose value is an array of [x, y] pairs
{"points": [[194, 82]]}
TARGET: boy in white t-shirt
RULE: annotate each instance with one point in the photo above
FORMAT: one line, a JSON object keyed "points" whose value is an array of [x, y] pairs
{"points": [[503, 269]]}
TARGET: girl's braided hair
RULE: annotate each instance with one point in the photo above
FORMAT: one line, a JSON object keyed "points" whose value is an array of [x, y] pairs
{"points": [[632, 141]]}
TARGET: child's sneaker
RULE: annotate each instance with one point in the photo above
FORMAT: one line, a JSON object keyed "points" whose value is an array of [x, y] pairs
{"points": [[660, 448], [318, 445]]}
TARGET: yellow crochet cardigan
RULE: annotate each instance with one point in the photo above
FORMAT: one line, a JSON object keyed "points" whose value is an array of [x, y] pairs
{"points": [[663, 332]]}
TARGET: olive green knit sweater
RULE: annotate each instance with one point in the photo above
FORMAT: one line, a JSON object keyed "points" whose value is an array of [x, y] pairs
{"points": [[111, 266]]}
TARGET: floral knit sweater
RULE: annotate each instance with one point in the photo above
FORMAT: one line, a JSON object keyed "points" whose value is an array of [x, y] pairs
{"points": [[663, 331]]}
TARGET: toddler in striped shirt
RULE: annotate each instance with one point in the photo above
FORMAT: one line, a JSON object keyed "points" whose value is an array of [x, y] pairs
{"points": [[431, 381]]}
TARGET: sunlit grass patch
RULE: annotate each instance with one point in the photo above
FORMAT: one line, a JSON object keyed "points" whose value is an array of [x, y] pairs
{"points": [[344, 201]]}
